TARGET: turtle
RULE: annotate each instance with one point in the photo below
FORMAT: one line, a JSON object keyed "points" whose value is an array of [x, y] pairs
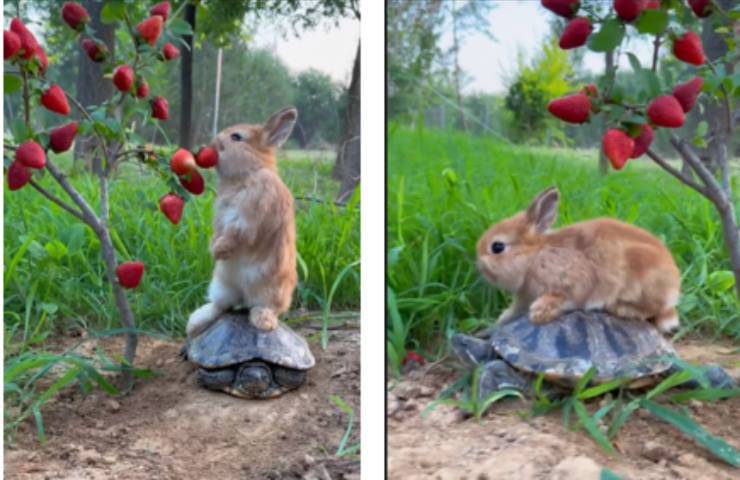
{"points": [[236, 357], [517, 351]]}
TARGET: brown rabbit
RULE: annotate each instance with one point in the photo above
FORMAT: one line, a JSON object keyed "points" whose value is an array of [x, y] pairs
{"points": [[253, 239], [597, 264]]}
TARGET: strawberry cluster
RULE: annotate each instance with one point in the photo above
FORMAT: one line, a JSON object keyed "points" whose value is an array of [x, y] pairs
{"points": [[185, 165], [629, 139]]}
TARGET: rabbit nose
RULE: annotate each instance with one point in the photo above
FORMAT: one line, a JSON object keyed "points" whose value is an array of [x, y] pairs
{"points": [[217, 144]]}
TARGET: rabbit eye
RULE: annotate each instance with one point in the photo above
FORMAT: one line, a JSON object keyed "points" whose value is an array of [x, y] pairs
{"points": [[236, 137], [497, 247]]}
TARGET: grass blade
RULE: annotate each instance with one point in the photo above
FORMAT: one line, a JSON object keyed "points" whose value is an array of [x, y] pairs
{"points": [[592, 427]]}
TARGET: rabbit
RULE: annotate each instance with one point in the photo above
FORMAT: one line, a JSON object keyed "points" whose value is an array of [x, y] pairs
{"points": [[600, 264], [253, 241]]}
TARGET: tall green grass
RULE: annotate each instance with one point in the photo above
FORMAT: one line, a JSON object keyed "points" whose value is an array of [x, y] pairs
{"points": [[445, 189]]}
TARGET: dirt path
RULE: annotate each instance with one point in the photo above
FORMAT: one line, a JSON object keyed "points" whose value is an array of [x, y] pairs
{"points": [[169, 428], [503, 445]]}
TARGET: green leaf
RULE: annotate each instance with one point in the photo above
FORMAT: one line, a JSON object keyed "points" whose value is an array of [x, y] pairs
{"points": [[600, 389], [706, 394], [652, 21], [676, 379], [701, 128], [652, 83], [341, 404], [591, 427], [607, 474], [180, 27], [715, 445], [13, 83], [56, 250], [608, 37], [483, 406], [634, 62], [721, 281], [112, 12]]}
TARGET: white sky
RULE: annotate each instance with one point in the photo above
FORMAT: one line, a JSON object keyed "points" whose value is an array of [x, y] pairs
{"points": [[330, 49], [515, 24]]}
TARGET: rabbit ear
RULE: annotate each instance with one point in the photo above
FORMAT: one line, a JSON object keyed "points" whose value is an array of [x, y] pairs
{"points": [[279, 126], [543, 210]]}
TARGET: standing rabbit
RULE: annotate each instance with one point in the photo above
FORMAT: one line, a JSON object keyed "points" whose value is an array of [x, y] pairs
{"points": [[598, 264], [253, 239]]}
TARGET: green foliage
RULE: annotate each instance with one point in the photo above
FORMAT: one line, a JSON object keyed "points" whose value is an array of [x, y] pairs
{"points": [[434, 223], [317, 100], [343, 450]]}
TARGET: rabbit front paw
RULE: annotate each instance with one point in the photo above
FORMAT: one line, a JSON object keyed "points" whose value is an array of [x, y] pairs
{"points": [[222, 248], [545, 309], [263, 318]]}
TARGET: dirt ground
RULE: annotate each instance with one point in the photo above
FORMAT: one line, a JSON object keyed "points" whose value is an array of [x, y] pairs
{"points": [[170, 428], [443, 445]]}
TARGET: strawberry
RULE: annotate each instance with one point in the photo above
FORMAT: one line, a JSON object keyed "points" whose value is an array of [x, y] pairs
{"points": [[172, 205], [97, 52], [75, 15], [195, 184], [207, 157], [666, 111], [55, 100], [29, 44], [564, 8], [123, 78], [618, 147], [413, 357], [142, 88], [572, 109], [31, 155], [576, 33], [162, 9], [61, 138], [686, 93], [11, 44], [18, 175], [652, 5], [170, 52], [688, 49], [160, 108], [590, 90], [643, 141], [43, 60], [628, 10], [150, 29], [701, 8], [129, 274], [182, 162]]}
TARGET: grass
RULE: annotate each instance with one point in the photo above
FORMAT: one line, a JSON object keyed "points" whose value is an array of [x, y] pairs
{"points": [[445, 189]]}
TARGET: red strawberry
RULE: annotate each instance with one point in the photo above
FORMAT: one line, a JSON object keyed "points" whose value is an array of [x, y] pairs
{"points": [[170, 51], [652, 5], [590, 90], [172, 205], [688, 49], [686, 93], [123, 78], [182, 162], [628, 10], [18, 175], [162, 9], [142, 88], [618, 147], [643, 141], [666, 111], [43, 60], [55, 100], [195, 184], [97, 52], [75, 15], [160, 108], [129, 274], [207, 157], [576, 33], [701, 8], [150, 29], [28, 41], [564, 8], [31, 155], [11, 44], [572, 109], [61, 138], [413, 357]]}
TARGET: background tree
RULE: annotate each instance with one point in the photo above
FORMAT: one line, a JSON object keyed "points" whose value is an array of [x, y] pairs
{"points": [[317, 99]]}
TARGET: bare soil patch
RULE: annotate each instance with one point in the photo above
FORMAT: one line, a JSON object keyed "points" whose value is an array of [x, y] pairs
{"points": [[170, 428], [442, 445]]}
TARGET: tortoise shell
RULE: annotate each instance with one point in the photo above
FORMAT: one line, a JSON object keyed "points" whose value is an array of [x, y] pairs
{"points": [[565, 349], [233, 340]]}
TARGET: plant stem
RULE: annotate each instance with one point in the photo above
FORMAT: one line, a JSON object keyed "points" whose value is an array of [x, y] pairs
{"points": [[26, 99], [685, 179], [68, 208], [656, 48]]}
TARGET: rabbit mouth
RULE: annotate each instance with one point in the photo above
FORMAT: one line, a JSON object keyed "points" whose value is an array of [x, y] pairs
{"points": [[485, 272]]}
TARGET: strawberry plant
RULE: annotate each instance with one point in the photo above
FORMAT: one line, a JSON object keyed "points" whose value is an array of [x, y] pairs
{"points": [[30, 149], [636, 113]]}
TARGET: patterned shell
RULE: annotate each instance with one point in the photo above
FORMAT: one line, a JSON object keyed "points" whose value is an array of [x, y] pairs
{"points": [[565, 349], [233, 340]]}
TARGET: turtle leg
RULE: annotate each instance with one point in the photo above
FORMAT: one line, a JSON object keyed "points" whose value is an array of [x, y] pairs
{"points": [[471, 350], [289, 378], [498, 375], [716, 375], [216, 379]]}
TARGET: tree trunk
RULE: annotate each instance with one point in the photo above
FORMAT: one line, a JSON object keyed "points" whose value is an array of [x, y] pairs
{"points": [[186, 82], [347, 166], [92, 88], [603, 161]]}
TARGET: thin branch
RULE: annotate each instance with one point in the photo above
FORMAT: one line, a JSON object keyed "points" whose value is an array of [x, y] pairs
{"points": [[26, 99], [725, 100], [57, 200], [685, 179], [656, 48], [88, 214], [713, 189]]}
